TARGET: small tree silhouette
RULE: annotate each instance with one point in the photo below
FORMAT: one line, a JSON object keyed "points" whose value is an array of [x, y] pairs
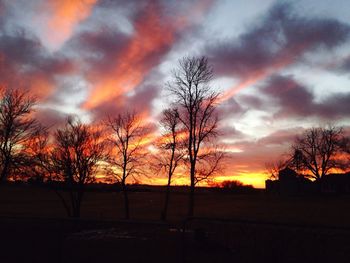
{"points": [[316, 151], [127, 160], [77, 151], [170, 151], [18, 129]]}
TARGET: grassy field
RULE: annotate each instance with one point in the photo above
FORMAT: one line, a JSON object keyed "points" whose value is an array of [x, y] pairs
{"points": [[314, 210], [230, 228]]}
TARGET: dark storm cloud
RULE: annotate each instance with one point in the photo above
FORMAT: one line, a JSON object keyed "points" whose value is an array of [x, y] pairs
{"points": [[296, 100], [279, 39]]}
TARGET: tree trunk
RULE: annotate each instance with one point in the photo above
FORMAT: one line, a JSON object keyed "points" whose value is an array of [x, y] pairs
{"points": [[126, 201], [74, 204], [191, 196], [4, 172], [77, 207], [191, 202], [2, 176], [64, 203], [318, 186], [166, 201], [76, 212]]}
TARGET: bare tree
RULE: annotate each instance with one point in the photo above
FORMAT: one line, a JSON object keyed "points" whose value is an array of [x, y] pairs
{"points": [[316, 151], [127, 135], [273, 168], [196, 102], [170, 151], [17, 129], [78, 150]]}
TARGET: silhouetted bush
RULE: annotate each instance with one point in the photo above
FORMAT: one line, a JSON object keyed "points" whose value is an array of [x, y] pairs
{"points": [[234, 186]]}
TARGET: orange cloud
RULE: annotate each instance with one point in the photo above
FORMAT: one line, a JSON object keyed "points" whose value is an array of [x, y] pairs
{"points": [[41, 87], [64, 16], [154, 34], [151, 35]]}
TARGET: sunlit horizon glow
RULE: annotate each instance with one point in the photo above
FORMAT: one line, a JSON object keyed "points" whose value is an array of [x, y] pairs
{"points": [[289, 62]]}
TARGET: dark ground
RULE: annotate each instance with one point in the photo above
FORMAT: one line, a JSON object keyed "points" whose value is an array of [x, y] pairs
{"points": [[248, 228]]}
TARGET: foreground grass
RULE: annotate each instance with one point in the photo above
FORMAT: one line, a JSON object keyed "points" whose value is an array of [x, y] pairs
{"points": [[19, 201]]}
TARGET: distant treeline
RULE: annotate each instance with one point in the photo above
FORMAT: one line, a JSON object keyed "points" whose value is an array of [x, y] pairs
{"points": [[234, 187]]}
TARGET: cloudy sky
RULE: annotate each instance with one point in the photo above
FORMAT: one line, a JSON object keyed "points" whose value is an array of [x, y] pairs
{"points": [[281, 66]]}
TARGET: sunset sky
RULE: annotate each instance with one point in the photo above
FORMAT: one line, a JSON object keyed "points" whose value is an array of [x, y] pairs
{"points": [[281, 66]]}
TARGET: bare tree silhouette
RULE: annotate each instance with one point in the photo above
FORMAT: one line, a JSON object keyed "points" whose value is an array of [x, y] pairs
{"points": [[170, 151], [77, 151], [17, 130], [316, 151], [127, 136], [196, 102], [273, 168]]}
